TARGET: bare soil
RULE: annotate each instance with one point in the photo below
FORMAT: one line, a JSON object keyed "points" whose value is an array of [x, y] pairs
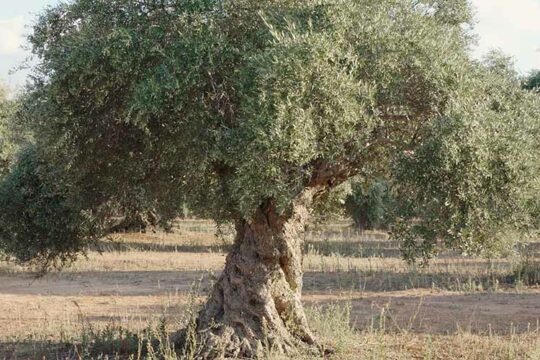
{"points": [[134, 284]]}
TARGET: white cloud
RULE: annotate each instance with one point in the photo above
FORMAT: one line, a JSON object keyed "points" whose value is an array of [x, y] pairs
{"points": [[512, 26], [520, 14], [11, 35]]}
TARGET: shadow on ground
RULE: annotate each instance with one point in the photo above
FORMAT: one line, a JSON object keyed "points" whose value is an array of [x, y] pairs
{"points": [[359, 249], [138, 283]]}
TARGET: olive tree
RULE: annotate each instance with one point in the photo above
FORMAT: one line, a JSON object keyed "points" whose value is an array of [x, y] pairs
{"points": [[532, 81], [251, 111], [370, 208]]}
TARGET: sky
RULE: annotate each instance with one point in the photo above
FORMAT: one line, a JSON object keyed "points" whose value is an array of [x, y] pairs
{"points": [[512, 26]]}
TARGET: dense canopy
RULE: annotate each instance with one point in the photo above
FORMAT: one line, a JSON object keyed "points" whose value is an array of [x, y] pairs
{"points": [[233, 102], [225, 104]]}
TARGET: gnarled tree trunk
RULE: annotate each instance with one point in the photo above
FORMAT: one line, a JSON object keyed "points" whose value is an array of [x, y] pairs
{"points": [[255, 305]]}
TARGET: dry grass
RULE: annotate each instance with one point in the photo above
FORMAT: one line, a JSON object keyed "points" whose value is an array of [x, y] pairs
{"points": [[363, 300]]}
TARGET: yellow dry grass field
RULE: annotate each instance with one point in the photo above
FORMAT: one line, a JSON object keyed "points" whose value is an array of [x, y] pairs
{"points": [[364, 302]]}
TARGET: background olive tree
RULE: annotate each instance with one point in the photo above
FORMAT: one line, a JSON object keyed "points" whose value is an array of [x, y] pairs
{"points": [[370, 206], [250, 112], [532, 81]]}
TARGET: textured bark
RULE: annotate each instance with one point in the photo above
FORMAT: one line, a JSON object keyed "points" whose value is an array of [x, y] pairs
{"points": [[255, 305]]}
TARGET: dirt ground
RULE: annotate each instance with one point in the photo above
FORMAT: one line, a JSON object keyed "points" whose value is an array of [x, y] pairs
{"points": [[26, 302], [133, 285]]}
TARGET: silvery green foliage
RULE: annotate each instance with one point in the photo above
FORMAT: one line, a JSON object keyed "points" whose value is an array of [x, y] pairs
{"points": [[235, 101], [226, 104], [476, 180]]}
